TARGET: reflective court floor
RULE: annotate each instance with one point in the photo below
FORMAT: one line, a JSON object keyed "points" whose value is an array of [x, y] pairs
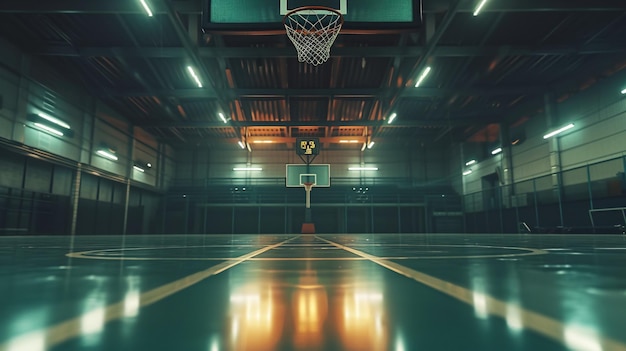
{"points": [[396, 292]]}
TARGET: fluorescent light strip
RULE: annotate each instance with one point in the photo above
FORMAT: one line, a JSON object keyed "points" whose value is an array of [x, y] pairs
{"points": [[370, 145], [262, 141], [106, 154], [54, 120], [469, 171], [48, 129], [479, 7], [195, 77], [422, 76], [146, 7], [496, 151], [247, 169], [558, 131], [137, 168], [363, 168], [391, 118], [222, 117], [470, 162], [241, 144], [624, 91], [343, 141]]}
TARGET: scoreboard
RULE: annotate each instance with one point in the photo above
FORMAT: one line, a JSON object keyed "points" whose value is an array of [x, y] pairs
{"points": [[307, 146]]}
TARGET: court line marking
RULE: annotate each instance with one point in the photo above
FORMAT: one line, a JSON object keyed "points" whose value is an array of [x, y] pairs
{"points": [[543, 325], [93, 255], [71, 328]]}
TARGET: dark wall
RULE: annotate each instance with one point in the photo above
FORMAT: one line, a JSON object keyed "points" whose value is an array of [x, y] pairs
{"points": [[35, 198]]}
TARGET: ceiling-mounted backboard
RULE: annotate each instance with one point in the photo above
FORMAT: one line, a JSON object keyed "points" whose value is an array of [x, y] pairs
{"points": [[259, 15]]}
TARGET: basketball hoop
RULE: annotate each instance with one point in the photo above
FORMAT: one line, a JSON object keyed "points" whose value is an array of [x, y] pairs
{"points": [[313, 30], [308, 186]]}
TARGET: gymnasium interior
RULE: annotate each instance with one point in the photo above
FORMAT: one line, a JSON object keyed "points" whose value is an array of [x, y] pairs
{"points": [[198, 175]]}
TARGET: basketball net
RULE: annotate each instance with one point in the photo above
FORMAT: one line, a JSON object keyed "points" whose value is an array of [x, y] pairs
{"points": [[313, 30]]}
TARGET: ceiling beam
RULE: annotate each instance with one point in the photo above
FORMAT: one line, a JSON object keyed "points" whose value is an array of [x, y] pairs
{"points": [[371, 51], [460, 120], [335, 93], [195, 6]]}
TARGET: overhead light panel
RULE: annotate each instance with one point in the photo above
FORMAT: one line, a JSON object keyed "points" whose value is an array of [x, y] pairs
{"points": [[241, 144], [194, 76], [146, 7], [496, 151], [470, 162], [149, 165], [624, 91], [391, 118], [54, 120], [138, 169], [363, 168], [559, 131], [262, 141], [247, 169], [222, 117], [107, 154], [345, 141], [48, 129], [468, 172], [422, 76], [370, 145], [479, 7]]}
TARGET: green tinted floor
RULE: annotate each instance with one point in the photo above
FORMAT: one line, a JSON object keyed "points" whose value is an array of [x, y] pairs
{"points": [[326, 292]]}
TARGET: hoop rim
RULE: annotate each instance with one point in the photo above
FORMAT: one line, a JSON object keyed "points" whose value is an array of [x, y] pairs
{"points": [[308, 185], [304, 8]]}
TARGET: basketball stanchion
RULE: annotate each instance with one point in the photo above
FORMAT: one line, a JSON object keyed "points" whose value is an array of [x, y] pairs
{"points": [[313, 30], [308, 227]]}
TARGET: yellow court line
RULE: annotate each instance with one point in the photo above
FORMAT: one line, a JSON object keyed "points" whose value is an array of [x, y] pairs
{"points": [[72, 328], [534, 321]]}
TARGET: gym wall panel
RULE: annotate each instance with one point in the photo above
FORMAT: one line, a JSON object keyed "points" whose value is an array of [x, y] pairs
{"points": [[62, 179], [106, 136], [38, 175], [11, 170]]}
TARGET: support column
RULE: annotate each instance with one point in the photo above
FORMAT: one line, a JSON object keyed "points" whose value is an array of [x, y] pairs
{"points": [[555, 152], [74, 199]]}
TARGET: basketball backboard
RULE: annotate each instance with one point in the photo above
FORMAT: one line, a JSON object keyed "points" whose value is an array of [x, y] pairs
{"points": [[298, 174], [253, 15]]}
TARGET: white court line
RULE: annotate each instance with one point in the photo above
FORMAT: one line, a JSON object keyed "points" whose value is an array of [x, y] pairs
{"points": [[72, 328], [528, 319]]}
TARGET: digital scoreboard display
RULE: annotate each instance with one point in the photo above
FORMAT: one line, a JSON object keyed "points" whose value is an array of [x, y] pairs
{"points": [[307, 146]]}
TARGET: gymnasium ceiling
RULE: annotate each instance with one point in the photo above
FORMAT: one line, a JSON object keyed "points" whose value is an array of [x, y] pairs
{"points": [[487, 69]]}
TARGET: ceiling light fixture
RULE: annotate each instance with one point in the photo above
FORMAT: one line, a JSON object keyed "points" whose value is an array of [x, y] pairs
{"points": [[422, 76], [624, 91], [469, 171], [370, 145], [344, 141], [470, 162], [262, 141], [363, 168], [195, 77], [247, 169], [222, 117], [241, 144], [146, 7], [139, 169], [107, 154], [54, 120], [391, 118], [496, 151], [48, 129], [559, 131], [479, 7]]}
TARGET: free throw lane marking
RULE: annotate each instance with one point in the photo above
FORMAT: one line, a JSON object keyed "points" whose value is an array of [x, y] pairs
{"points": [[44, 339], [573, 337]]}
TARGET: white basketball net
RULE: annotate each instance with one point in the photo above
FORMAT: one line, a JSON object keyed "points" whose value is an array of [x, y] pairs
{"points": [[313, 32]]}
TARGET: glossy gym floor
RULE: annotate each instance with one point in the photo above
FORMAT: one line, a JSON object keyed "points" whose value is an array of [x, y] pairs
{"points": [[396, 292]]}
